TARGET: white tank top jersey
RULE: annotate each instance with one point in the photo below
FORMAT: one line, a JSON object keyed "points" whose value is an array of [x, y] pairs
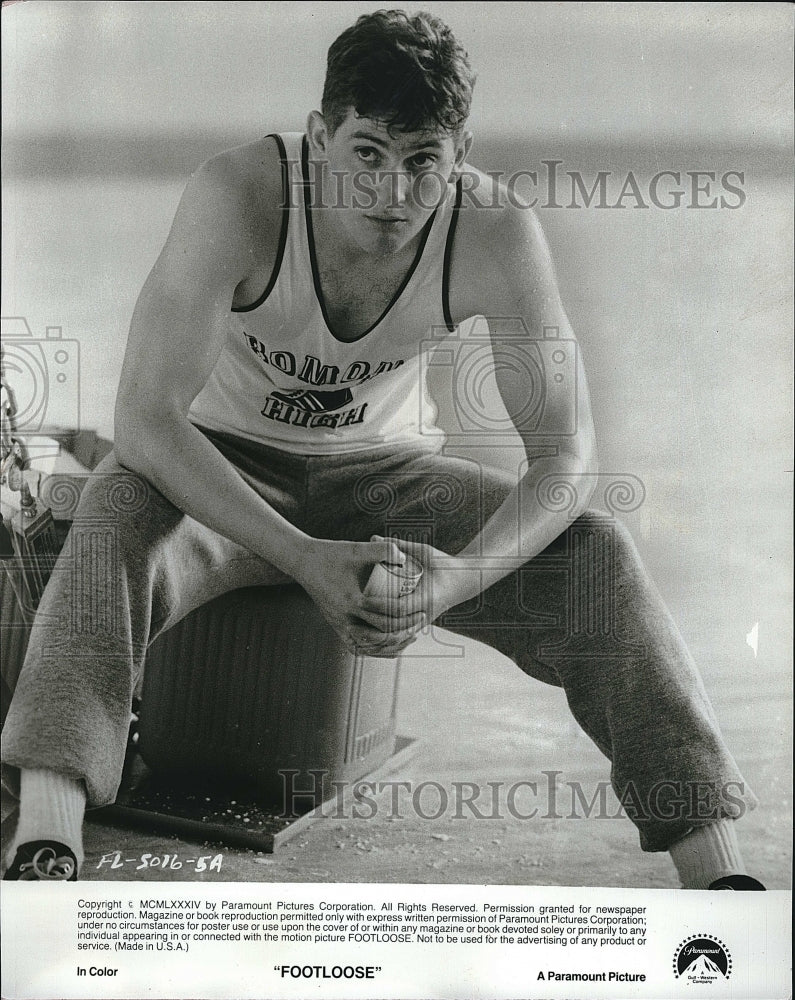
{"points": [[285, 379]]}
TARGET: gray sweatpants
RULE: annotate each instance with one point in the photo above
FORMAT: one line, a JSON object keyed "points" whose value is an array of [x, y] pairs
{"points": [[583, 615]]}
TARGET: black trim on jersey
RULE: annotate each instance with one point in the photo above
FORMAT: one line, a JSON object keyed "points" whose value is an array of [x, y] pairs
{"points": [[282, 233], [310, 235], [448, 253]]}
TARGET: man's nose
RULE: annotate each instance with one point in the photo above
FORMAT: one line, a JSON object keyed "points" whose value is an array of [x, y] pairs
{"points": [[395, 187]]}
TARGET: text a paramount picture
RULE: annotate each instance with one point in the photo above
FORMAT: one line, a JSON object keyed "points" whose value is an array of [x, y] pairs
{"points": [[396, 488]]}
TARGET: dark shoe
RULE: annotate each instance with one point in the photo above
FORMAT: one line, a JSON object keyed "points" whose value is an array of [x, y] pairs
{"points": [[45, 860], [738, 882]]}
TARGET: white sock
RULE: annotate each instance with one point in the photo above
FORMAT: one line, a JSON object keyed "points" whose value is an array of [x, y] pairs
{"points": [[51, 807], [706, 854]]}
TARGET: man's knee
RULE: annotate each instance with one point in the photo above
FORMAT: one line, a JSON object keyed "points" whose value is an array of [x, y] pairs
{"points": [[114, 492], [109, 496], [607, 532], [117, 517]]}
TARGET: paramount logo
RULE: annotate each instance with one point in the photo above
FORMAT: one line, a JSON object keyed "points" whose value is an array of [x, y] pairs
{"points": [[702, 959]]}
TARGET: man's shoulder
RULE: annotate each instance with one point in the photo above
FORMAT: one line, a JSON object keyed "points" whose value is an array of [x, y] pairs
{"points": [[499, 244], [249, 177], [232, 206], [492, 218]]}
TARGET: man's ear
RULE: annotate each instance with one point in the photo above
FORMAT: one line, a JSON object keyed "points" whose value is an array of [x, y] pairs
{"points": [[317, 133], [463, 147]]}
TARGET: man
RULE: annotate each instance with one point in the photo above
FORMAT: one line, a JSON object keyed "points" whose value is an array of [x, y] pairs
{"points": [[274, 374]]}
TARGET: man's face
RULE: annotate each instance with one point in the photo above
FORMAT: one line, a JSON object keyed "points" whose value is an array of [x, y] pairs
{"points": [[384, 187]]}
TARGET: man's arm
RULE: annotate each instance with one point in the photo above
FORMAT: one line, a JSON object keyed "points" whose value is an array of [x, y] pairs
{"points": [[501, 269], [225, 230], [176, 336]]}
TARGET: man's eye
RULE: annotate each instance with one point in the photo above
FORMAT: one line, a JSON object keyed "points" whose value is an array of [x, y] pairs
{"points": [[367, 154], [423, 160]]}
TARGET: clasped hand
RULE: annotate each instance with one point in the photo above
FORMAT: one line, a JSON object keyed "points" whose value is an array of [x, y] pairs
{"points": [[335, 573]]}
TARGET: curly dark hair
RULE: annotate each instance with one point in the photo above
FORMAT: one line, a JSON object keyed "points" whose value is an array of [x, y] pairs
{"points": [[408, 73]]}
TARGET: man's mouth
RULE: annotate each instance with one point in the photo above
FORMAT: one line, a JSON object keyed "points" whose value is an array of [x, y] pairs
{"points": [[387, 220]]}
